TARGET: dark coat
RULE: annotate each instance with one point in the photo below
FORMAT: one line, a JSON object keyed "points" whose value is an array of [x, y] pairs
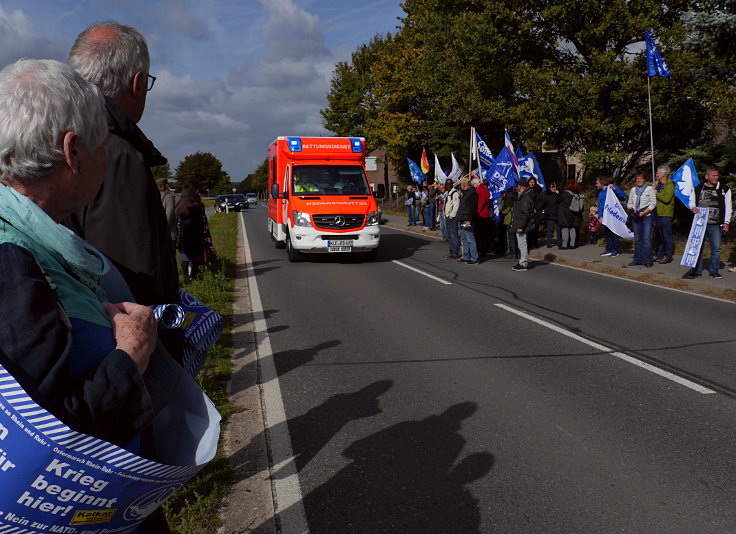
{"points": [[550, 206], [468, 209], [565, 216], [523, 216]]}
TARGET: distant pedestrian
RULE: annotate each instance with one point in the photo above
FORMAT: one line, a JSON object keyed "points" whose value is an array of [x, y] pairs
{"points": [[613, 241], [451, 205], [717, 198], [594, 225], [411, 205], [663, 215], [549, 212], [569, 217], [466, 215], [522, 222], [641, 204]]}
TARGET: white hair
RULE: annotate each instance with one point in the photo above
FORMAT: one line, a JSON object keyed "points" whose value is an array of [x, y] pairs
{"points": [[664, 168], [110, 60], [41, 100]]}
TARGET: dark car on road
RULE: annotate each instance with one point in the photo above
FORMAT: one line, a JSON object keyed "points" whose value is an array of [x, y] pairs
{"points": [[234, 202]]}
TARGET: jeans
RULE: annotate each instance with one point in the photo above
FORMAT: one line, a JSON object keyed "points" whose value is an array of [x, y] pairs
{"points": [[713, 233], [453, 237], [643, 240], [568, 236], [412, 213], [613, 242], [443, 227], [523, 249], [467, 236], [665, 243], [551, 228]]}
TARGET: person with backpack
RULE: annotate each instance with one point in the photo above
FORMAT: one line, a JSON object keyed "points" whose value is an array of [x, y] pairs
{"points": [[569, 215]]}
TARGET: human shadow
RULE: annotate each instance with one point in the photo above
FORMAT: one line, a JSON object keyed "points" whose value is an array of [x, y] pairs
{"points": [[406, 478], [287, 360]]}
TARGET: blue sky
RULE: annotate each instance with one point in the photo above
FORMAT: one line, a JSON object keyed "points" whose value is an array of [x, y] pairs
{"points": [[232, 74]]}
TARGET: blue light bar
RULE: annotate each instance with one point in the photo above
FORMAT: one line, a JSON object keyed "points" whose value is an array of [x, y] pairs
{"points": [[357, 144], [295, 144]]}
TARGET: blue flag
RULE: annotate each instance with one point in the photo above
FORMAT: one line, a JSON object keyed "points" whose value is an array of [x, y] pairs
{"points": [[685, 178], [655, 64], [503, 175], [519, 154], [529, 168], [416, 173], [484, 153]]}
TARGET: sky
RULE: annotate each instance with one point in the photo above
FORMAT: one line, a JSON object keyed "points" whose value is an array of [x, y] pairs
{"points": [[232, 75]]}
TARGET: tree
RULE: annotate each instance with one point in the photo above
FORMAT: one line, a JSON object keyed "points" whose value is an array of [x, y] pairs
{"points": [[257, 181], [207, 170], [162, 172]]}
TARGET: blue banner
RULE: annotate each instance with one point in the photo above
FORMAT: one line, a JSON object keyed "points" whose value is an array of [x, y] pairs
{"points": [[416, 173], [529, 168], [503, 175], [655, 64], [695, 239]]}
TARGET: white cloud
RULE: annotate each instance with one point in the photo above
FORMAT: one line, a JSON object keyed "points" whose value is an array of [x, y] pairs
{"points": [[20, 38]]}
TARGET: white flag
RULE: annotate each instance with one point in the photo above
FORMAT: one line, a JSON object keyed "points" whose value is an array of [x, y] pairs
{"points": [[439, 174], [456, 172], [614, 216]]}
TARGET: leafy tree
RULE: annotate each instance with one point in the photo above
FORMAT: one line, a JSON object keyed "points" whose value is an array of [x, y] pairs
{"points": [[205, 168], [162, 172], [257, 181]]}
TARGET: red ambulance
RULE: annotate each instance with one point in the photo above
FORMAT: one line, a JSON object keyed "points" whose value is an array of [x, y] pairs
{"points": [[321, 201]]}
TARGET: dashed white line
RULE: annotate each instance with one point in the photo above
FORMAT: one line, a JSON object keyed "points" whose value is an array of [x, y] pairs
{"points": [[656, 370], [435, 278]]}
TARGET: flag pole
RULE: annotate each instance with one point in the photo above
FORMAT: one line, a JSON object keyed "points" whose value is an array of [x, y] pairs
{"points": [[472, 141], [651, 130]]}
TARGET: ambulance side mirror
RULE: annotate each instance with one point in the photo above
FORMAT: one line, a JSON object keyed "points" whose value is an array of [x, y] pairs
{"points": [[275, 193]]}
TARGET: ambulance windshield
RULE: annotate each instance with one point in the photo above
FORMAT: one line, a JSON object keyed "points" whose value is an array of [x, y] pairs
{"points": [[330, 180]]}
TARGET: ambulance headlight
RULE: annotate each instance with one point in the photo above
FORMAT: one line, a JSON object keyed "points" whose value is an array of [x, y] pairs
{"points": [[301, 218], [373, 218]]}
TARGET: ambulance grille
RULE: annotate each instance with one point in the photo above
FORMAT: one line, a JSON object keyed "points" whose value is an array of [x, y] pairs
{"points": [[338, 222]]}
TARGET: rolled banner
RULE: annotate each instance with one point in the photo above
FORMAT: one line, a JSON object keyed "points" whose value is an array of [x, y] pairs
{"points": [[169, 315]]}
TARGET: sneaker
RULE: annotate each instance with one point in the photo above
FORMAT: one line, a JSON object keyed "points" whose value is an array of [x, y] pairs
{"points": [[716, 275], [732, 269], [691, 275], [519, 267], [461, 260], [657, 259], [613, 254], [606, 253], [667, 260], [472, 262], [633, 263]]}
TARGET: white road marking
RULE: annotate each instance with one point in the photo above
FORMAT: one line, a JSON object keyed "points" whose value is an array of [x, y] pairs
{"points": [[287, 491], [435, 278], [656, 370]]}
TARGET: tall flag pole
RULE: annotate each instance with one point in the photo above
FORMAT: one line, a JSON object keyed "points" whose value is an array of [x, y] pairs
{"points": [[655, 67]]}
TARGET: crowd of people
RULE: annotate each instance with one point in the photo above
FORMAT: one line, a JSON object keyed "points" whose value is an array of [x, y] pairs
{"points": [[464, 214]]}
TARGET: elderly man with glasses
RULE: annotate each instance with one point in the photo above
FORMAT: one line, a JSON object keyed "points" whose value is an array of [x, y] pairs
{"points": [[126, 221]]}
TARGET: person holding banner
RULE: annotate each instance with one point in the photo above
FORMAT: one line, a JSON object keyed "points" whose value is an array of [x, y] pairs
{"points": [[75, 354], [641, 204], [613, 241], [717, 198]]}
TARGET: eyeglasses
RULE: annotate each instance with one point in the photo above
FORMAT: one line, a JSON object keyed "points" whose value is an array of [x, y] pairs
{"points": [[151, 80]]}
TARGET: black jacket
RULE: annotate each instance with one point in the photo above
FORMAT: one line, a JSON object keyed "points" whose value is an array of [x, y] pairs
{"points": [[468, 209], [523, 216], [565, 216], [550, 205]]}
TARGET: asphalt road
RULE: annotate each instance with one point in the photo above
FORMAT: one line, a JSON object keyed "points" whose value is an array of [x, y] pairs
{"points": [[478, 399]]}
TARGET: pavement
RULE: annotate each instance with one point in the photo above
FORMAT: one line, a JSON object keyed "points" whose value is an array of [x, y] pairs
{"points": [[589, 257], [250, 506]]}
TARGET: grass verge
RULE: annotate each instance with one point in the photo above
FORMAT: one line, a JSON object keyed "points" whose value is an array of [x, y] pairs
{"points": [[195, 507]]}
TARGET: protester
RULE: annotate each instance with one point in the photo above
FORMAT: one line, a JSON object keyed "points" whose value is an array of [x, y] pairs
{"points": [[126, 220], [466, 214], [424, 202], [663, 215], [452, 203], [568, 220], [716, 197], [168, 201], [431, 208], [507, 212], [483, 227], [411, 205], [641, 204], [535, 190], [522, 222], [78, 356], [613, 241], [550, 212], [192, 230], [594, 225], [441, 196]]}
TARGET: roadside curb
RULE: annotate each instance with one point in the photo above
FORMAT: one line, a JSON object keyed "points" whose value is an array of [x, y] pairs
{"points": [[249, 506]]}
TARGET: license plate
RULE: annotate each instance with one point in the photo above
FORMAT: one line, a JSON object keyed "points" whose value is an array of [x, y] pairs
{"points": [[340, 243], [339, 249]]}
